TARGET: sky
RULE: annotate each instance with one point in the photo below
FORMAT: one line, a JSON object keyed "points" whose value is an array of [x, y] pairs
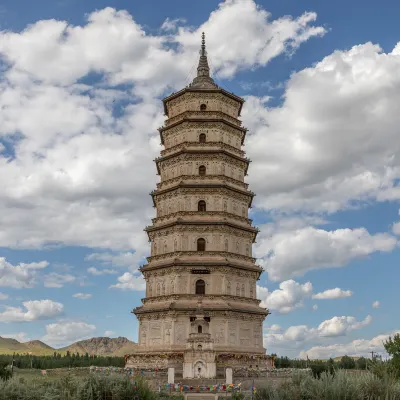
{"points": [[81, 85]]}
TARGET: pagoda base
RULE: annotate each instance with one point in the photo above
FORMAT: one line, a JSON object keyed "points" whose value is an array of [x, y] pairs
{"points": [[212, 364]]}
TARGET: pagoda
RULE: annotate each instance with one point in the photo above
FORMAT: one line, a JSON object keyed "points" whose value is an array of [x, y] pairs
{"points": [[201, 312]]}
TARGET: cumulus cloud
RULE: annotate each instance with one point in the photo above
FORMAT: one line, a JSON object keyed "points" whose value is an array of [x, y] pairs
{"points": [[288, 297], [297, 337], [315, 307], [359, 347], [329, 294], [290, 253], [64, 332], [73, 155], [333, 143], [21, 275], [97, 272], [128, 281], [82, 296], [122, 259], [376, 304], [20, 336], [109, 333], [55, 280], [34, 310]]}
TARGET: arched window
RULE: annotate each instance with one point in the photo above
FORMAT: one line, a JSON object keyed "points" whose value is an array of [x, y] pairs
{"points": [[203, 107], [201, 244], [199, 347], [201, 205], [199, 329], [202, 138], [200, 287], [202, 170]]}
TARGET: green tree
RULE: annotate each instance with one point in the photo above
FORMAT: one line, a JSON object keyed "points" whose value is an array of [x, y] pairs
{"points": [[347, 363], [392, 346], [361, 363]]}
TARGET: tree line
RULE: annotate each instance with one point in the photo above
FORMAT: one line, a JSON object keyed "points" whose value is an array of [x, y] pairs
{"points": [[57, 360]]}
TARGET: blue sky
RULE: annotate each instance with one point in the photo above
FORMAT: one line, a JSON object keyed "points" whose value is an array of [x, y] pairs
{"points": [[80, 91]]}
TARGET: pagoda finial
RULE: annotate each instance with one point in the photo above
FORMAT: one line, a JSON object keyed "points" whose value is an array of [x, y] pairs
{"points": [[203, 44], [203, 79]]}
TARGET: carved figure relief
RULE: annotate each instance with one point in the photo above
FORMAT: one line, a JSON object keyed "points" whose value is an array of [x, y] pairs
{"points": [[180, 334], [232, 333], [220, 334]]}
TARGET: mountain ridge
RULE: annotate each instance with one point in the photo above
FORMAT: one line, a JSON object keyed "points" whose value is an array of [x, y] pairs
{"points": [[100, 346]]}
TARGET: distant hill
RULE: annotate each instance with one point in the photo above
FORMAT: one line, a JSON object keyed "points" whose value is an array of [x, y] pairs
{"points": [[101, 346]]}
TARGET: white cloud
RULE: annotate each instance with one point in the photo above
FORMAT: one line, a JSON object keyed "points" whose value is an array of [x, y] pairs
{"points": [[359, 347], [97, 272], [64, 332], [3, 296], [333, 143], [128, 281], [315, 307], [288, 297], [74, 156], [55, 280], [35, 310], [82, 296], [297, 337], [274, 328], [170, 25], [109, 333], [20, 336], [376, 304], [21, 275], [287, 253], [329, 294], [123, 259], [396, 228]]}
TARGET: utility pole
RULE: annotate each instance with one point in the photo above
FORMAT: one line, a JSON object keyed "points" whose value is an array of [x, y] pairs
{"points": [[372, 353]]}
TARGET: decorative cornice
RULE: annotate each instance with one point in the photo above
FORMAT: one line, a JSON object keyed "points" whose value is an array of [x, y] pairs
{"points": [[222, 214], [203, 115], [188, 296], [183, 185], [223, 179], [199, 223], [218, 307], [200, 254], [178, 266], [203, 147]]}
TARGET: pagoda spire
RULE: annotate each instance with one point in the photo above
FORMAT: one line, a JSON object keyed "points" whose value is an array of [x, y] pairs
{"points": [[203, 79]]}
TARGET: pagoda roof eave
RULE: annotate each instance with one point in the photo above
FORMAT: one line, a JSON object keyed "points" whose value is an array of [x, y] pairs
{"points": [[207, 90], [185, 263], [201, 186]]}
